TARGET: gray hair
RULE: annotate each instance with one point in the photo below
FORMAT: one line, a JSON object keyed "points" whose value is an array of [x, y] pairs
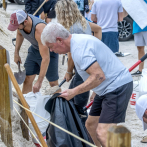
{"points": [[52, 31]]}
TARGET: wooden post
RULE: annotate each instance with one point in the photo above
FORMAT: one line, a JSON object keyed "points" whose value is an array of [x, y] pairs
{"points": [[5, 111], [25, 104], [118, 136], [25, 131]]}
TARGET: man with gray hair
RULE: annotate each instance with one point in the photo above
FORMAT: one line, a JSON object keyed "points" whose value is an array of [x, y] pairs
{"points": [[101, 71]]}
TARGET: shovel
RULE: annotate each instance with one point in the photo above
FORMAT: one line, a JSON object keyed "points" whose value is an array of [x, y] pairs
{"points": [[20, 75]]}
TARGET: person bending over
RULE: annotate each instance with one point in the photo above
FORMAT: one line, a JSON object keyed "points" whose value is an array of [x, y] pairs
{"points": [[72, 20], [39, 59], [101, 71]]}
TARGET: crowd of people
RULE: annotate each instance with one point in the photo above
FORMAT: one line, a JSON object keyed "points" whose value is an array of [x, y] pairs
{"points": [[90, 44]]}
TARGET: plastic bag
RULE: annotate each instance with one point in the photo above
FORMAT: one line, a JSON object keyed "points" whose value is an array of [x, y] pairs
{"points": [[37, 102], [135, 94], [64, 114], [143, 83]]}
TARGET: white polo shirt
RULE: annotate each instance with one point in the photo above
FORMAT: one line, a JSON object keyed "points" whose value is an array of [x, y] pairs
{"points": [[86, 50], [107, 14]]}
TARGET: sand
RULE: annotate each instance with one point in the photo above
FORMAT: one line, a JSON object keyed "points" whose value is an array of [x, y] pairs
{"points": [[132, 122]]}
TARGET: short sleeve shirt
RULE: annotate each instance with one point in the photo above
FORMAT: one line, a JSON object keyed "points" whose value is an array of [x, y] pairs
{"points": [[86, 50], [107, 14]]}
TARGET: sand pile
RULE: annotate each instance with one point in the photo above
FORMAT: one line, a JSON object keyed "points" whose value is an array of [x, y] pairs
{"points": [[132, 122]]}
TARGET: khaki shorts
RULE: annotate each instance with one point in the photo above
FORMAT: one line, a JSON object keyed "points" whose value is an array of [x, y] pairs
{"points": [[140, 38]]}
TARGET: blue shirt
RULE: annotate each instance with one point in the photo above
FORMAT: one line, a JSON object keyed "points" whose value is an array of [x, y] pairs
{"points": [[137, 29], [86, 50]]}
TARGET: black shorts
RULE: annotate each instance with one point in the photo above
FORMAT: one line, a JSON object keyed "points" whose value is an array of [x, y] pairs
{"points": [[33, 63], [51, 13], [112, 106]]}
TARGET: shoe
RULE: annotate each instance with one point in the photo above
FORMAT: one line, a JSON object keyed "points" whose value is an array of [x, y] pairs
{"points": [[136, 73], [144, 140]]}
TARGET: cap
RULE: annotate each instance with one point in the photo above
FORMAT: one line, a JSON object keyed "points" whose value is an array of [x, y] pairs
{"points": [[141, 106], [16, 18]]}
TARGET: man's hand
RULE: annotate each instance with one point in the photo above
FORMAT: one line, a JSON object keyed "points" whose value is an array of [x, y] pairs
{"points": [[68, 77], [37, 87], [92, 96], [68, 94], [17, 58]]}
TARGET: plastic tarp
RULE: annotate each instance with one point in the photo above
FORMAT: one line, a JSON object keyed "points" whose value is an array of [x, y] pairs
{"points": [[137, 9], [64, 114]]}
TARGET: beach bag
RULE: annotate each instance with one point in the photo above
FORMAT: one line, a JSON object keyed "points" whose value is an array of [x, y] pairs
{"points": [[37, 102], [143, 83], [63, 113]]}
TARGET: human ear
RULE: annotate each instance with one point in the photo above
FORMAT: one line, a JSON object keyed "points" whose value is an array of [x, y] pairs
{"points": [[59, 40]]}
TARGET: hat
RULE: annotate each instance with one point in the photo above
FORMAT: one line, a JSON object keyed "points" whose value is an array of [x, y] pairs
{"points": [[16, 18], [141, 106]]}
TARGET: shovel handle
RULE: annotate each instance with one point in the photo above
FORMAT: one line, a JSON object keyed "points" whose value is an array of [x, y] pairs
{"points": [[62, 82], [18, 66], [39, 7], [24, 103]]}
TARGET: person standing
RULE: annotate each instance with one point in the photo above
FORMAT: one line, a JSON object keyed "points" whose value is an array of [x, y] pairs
{"points": [[39, 57], [140, 38], [107, 13]]}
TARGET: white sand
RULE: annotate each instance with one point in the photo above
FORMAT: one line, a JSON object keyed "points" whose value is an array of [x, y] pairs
{"points": [[132, 122]]}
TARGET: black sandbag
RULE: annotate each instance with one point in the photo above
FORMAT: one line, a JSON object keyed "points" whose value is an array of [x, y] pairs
{"points": [[64, 114]]}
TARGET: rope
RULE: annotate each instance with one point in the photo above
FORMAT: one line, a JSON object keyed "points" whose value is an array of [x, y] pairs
{"points": [[79, 138], [28, 127]]}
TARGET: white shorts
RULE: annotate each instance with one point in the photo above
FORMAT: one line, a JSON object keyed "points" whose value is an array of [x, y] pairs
{"points": [[140, 38]]}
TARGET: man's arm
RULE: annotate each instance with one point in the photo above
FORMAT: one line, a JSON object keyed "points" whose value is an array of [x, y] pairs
{"points": [[125, 14], [120, 12], [96, 77], [97, 30], [120, 16], [45, 54], [19, 40], [93, 17]]}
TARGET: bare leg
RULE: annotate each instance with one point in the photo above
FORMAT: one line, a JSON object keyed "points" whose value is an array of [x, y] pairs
{"points": [[47, 20], [102, 132], [91, 125], [141, 53], [27, 85], [55, 83]]}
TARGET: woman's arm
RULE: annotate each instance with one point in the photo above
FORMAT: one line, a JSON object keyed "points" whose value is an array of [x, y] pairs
{"points": [[69, 73], [97, 30]]}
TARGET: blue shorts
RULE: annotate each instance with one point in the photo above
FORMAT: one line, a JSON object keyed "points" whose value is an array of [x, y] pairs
{"points": [[111, 40], [33, 63]]}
